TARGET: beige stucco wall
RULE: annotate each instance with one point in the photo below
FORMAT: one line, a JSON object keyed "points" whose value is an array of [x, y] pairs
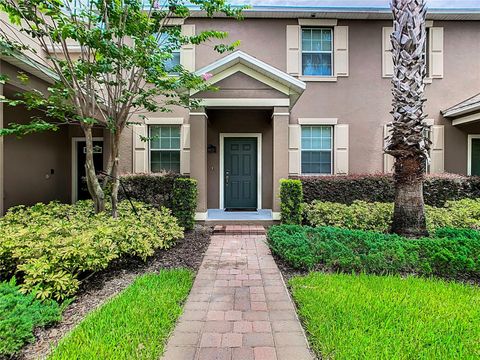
{"points": [[239, 121], [29, 160], [363, 100]]}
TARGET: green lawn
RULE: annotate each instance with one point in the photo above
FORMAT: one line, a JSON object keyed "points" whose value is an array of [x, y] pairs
{"points": [[387, 317], [133, 325]]}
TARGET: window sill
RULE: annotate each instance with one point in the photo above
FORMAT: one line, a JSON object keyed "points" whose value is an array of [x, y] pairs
{"points": [[428, 80], [318, 78], [307, 175]]}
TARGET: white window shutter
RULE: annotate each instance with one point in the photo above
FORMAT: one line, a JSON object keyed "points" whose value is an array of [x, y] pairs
{"points": [[293, 49], [140, 149], [294, 151], [185, 152], [340, 44], [387, 59], [436, 52], [187, 52], [388, 160], [341, 143], [437, 151]]}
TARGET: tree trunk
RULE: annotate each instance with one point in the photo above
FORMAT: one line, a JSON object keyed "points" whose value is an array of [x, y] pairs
{"points": [[93, 183], [114, 155], [409, 212]]}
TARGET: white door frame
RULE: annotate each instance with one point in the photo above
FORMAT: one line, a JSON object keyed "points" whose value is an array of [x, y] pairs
{"points": [[75, 140], [469, 152], [258, 136]]}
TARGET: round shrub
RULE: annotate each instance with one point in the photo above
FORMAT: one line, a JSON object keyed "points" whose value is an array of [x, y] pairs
{"points": [[49, 247]]}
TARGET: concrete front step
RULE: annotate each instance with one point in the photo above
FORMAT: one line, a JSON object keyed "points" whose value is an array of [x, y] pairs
{"points": [[239, 230]]}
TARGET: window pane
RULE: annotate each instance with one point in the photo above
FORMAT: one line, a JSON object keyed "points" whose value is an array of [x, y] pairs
{"points": [[155, 137], [165, 137], [316, 149], [307, 39], [165, 161], [317, 64]]}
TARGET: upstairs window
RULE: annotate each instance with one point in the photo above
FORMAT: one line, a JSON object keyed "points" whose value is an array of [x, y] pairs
{"points": [[317, 51], [164, 148], [164, 41], [317, 144]]}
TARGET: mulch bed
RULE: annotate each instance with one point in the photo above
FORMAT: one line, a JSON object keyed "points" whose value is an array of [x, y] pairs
{"points": [[101, 286]]}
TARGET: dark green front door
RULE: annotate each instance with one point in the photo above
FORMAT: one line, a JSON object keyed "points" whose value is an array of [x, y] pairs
{"points": [[475, 165], [240, 173]]}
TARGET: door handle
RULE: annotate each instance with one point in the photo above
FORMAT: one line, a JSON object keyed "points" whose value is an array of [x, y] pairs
{"points": [[227, 177]]}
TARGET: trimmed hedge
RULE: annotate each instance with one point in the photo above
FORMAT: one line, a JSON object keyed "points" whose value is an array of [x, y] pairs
{"points": [[51, 247], [291, 199], [20, 314], [377, 216], [303, 247], [379, 188], [185, 201], [153, 189], [169, 190]]}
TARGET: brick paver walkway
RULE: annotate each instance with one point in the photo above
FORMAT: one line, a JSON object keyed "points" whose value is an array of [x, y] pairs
{"points": [[239, 308]]}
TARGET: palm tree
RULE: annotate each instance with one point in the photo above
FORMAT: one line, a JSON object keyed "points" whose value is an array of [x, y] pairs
{"points": [[407, 141]]}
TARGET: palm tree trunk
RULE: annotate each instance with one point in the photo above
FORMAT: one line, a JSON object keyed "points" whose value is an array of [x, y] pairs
{"points": [[409, 211], [407, 141]]}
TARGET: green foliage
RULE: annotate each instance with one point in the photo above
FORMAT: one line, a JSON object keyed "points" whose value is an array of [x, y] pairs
{"points": [[372, 252], [155, 189], [291, 198], [168, 190], [133, 75], [19, 315], [437, 189], [377, 216], [389, 317], [51, 246], [135, 324], [185, 201]]}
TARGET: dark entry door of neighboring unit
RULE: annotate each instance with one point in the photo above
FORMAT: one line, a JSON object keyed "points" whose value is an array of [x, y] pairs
{"points": [[475, 165], [240, 173], [82, 190]]}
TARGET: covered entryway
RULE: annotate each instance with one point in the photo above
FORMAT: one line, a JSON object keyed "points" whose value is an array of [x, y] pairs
{"points": [[465, 116], [240, 172], [239, 147]]}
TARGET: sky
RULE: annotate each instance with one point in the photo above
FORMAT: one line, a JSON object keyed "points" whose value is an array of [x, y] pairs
{"points": [[436, 4]]}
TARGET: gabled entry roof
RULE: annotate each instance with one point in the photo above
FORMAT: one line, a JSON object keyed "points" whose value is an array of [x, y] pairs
{"points": [[257, 69]]}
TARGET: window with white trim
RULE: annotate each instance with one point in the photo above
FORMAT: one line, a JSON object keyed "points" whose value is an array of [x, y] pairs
{"points": [[174, 61], [164, 148], [317, 149], [317, 51]]}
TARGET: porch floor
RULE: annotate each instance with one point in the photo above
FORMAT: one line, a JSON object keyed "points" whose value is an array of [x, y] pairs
{"points": [[222, 215]]}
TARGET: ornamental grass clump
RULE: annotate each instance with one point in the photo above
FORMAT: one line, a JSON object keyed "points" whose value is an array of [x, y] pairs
{"points": [[51, 247]]}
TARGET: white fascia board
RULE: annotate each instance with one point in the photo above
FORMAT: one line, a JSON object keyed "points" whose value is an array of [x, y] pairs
{"points": [[258, 65]]}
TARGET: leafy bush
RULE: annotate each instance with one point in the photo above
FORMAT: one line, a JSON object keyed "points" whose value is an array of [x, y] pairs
{"points": [[372, 252], [291, 198], [169, 190], [185, 201], [50, 246], [20, 314], [377, 216], [153, 189], [379, 188]]}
